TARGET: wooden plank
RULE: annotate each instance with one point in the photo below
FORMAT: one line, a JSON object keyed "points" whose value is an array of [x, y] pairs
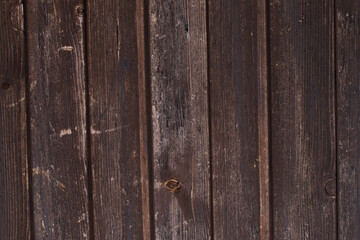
{"points": [[235, 36], [263, 121], [58, 121], [348, 117], [116, 83], [14, 190], [178, 51], [303, 119], [144, 117]]}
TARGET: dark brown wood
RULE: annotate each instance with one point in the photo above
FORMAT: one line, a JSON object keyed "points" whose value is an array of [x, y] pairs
{"points": [[180, 119], [303, 119], [263, 121], [116, 83], [58, 122], [348, 117], [179, 84], [234, 51], [14, 186], [144, 118]]}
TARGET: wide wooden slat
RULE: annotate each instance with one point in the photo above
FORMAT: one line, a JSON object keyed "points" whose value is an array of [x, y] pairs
{"points": [[116, 83], [58, 121], [234, 51], [14, 187], [179, 97], [303, 119], [348, 117]]}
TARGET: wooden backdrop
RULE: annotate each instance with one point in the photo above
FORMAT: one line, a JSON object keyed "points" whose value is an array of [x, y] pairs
{"points": [[252, 108]]}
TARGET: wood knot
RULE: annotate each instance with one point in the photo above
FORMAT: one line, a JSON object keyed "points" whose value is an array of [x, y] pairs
{"points": [[17, 18], [79, 10], [172, 185], [330, 187]]}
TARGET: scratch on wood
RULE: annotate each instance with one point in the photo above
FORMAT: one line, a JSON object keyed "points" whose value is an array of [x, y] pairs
{"points": [[46, 175], [66, 49], [54, 9], [65, 132], [95, 132], [60, 185]]}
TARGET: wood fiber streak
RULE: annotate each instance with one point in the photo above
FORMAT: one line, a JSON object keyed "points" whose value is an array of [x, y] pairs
{"points": [[234, 49], [303, 119], [115, 66], [348, 117], [57, 116], [180, 129], [14, 190]]}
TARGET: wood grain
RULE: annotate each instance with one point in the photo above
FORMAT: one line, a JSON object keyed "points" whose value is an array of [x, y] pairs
{"points": [[58, 121], [233, 53], [14, 190], [264, 120], [144, 118], [348, 117], [179, 85], [303, 119], [253, 106], [116, 65]]}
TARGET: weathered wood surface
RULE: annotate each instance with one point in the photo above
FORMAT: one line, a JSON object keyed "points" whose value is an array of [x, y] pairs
{"points": [[58, 119], [115, 57], [348, 117], [263, 120], [179, 85], [14, 186], [233, 53], [253, 106], [144, 118], [303, 119]]}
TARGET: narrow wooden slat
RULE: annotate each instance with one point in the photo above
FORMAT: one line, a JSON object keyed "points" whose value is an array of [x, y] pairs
{"points": [[14, 190], [57, 116], [348, 117], [303, 119], [116, 83], [144, 117], [179, 97], [234, 32], [263, 120]]}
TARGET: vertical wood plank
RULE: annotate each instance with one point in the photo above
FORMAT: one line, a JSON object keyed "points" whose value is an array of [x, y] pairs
{"points": [[348, 117], [303, 119], [14, 190], [144, 117], [116, 83], [263, 121], [235, 35], [58, 121], [179, 97]]}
